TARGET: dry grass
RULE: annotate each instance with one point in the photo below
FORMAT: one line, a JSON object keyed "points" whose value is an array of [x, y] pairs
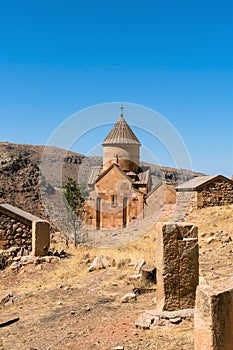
{"points": [[213, 219], [41, 295], [68, 271]]}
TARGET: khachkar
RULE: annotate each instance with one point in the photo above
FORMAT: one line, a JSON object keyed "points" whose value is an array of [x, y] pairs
{"points": [[177, 265]]}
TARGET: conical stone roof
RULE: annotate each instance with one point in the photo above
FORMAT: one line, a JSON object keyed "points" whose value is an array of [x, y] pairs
{"points": [[121, 133]]}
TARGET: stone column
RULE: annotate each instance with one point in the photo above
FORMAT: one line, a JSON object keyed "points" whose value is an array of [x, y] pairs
{"points": [[214, 317], [177, 265]]}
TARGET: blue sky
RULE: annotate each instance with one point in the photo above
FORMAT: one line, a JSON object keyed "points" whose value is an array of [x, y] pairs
{"points": [[175, 57]]}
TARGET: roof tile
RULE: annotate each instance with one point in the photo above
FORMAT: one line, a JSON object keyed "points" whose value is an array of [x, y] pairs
{"points": [[121, 133]]}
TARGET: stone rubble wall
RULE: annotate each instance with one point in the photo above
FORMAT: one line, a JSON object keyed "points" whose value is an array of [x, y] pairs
{"points": [[14, 233], [7, 256], [21, 233], [214, 194]]}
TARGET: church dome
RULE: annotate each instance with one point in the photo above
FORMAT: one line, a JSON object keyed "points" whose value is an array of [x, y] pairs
{"points": [[122, 147], [121, 133]]}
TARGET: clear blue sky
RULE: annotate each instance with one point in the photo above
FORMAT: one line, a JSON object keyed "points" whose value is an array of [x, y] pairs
{"points": [[58, 57]]}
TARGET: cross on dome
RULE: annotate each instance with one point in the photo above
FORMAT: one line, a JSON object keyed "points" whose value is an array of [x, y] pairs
{"points": [[122, 108], [121, 133]]}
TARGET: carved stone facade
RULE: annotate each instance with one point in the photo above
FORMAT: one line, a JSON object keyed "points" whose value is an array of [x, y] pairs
{"points": [[177, 265], [114, 203], [118, 190]]}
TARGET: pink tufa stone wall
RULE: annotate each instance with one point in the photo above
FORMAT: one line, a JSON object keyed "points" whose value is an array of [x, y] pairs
{"points": [[116, 184], [128, 156], [155, 201]]}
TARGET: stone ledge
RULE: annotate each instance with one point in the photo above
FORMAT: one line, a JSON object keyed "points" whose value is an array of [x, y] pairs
{"points": [[150, 318], [18, 214], [39, 239], [214, 317]]}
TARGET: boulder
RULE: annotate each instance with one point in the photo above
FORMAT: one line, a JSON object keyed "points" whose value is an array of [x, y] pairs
{"points": [[129, 297], [99, 263]]}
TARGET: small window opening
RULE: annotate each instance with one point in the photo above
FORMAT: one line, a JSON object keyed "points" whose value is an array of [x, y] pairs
{"points": [[113, 199]]}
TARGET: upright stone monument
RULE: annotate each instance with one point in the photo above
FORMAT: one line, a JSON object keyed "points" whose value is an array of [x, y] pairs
{"points": [[177, 265], [214, 317]]}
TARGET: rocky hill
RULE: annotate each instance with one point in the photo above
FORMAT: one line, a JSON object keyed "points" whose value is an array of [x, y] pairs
{"points": [[20, 180]]}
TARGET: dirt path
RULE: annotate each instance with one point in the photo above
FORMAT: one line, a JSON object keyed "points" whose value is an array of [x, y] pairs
{"points": [[85, 315]]}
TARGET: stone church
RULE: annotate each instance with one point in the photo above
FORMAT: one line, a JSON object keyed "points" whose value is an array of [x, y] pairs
{"points": [[119, 188]]}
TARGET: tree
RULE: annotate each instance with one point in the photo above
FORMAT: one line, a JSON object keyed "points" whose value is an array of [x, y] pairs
{"points": [[75, 196]]}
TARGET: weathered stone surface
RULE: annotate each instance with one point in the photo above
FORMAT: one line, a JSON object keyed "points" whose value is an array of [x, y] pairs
{"points": [[40, 237], [151, 318], [145, 321], [25, 260], [23, 232], [149, 274], [135, 277], [16, 265], [137, 265], [214, 317], [6, 298], [177, 265], [129, 297], [99, 263], [216, 192], [175, 320], [10, 235]]}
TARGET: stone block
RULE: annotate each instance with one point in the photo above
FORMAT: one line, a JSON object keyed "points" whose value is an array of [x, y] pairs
{"points": [[22, 228], [149, 274], [3, 244], [40, 237], [177, 265], [214, 317]]}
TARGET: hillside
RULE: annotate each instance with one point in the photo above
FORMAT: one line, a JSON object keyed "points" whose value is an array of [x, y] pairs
{"points": [[20, 182]]}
